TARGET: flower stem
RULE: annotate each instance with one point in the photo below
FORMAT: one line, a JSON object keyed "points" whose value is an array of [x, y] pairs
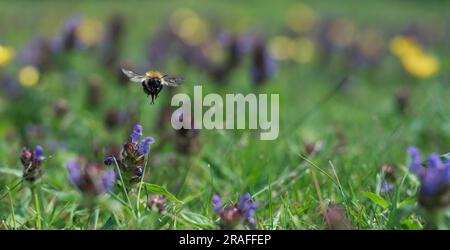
{"points": [[122, 183], [140, 187], [38, 208]]}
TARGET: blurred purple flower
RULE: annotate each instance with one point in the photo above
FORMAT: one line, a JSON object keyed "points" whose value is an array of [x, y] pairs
{"points": [[67, 40], [416, 160], [109, 178], [235, 48], [434, 176], [31, 162], [264, 66], [10, 87], [90, 178], [110, 47], [237, 45], [160, 46], [74, 172], [37, 53], [232, 216], [217, 204]]}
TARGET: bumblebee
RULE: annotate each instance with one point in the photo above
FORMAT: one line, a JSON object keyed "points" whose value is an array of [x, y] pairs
{"points": [[153, 81]]}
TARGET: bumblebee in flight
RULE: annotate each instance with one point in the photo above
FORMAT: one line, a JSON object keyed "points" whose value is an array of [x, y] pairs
{"points": [[153, 81]]}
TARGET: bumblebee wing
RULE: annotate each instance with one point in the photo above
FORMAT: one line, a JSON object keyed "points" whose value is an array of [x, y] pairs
{"points": [[172, 81], [133, 76]]}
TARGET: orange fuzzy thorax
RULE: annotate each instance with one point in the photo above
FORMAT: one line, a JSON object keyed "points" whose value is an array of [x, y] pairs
{"points": [[153, 74]]}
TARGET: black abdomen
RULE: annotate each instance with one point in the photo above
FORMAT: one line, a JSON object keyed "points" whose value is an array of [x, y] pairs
{"points": [[152, 87]]}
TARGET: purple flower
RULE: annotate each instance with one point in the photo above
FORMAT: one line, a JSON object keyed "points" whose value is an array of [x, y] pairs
{"points": [[132, 157], [245, 200], [90, 178], [39, 153], [68, 38], [434, 176], [264, 65], [416, 160], [144, 147], [217, 204], [37, 53], [109, 178], [136, 134], [248, 209], [10, 87], [31, 161], [110, 46], [231, 216], [74, 172]]}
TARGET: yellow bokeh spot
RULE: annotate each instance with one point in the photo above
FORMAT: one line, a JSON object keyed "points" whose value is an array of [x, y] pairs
{"points": [[414, 59], [282, 48], [402, 46], [421, 65], [305, 50], [301, 18], [28, 76], [189, 27], [215, 51], [6, 55], [90, 32]]}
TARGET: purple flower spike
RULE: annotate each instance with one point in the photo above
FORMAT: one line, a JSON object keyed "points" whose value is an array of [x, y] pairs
{"points": [[136, 134], [434, 176], [39, 150], [243, 213], [132, 157], [435, 162], [31, 161], [91, 179], [432, 182], [245, 199], [39, 153], [250, 213], [144, 148], [217, 204], [74, 172], [416, 163], [109, 179], [248, 209]]}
